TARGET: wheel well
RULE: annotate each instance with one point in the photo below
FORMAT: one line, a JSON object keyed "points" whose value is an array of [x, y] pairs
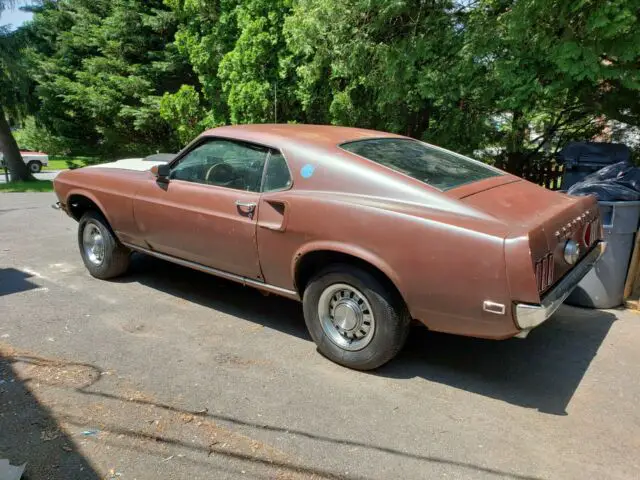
{"points": [[313, 262], [78, 205]]}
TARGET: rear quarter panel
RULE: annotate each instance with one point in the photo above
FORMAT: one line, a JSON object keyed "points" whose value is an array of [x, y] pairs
{"points": [[444, 258]]}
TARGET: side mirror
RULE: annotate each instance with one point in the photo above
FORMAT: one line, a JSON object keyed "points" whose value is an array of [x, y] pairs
{"points": [[161, 172]]}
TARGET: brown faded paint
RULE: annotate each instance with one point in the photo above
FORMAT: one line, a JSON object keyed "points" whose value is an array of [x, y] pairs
{"points": [[446, 252], [200, 223], [112, 191]]}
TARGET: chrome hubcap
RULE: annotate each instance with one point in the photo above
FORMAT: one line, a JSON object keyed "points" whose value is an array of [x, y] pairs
{"points": [[93, 243], [346, 317]]}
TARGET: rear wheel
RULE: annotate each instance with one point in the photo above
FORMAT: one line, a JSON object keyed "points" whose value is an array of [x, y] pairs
{"points": [[34, 166], [103, 255], [354, 320]]}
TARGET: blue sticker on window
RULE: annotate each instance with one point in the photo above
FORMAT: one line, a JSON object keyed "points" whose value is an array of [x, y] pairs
{"points": [[307, 171]]}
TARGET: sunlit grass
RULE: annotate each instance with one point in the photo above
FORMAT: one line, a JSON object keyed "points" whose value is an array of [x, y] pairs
{"points": [[33, 186], [63, 163]]}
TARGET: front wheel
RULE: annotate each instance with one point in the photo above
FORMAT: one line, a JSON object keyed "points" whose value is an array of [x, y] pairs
{"points": [[354, 320], [103, 255]]}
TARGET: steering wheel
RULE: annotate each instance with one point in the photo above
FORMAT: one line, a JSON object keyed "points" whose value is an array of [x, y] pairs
{"points": [[222, 169]]}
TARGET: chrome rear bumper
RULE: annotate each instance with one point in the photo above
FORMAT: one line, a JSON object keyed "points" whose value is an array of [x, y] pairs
{"points": [[530, 316]]}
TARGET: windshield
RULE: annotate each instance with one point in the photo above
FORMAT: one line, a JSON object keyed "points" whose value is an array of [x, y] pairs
{"points": [[437, 168]]}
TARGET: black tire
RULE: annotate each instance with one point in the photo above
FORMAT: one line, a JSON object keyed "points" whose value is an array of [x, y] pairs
{"points": [[34, 166], [116, 257], [392, 320]]}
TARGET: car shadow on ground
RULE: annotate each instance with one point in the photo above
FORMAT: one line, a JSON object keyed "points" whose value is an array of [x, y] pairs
{"points": [[29, 433], [542, 371], [218, 294], [15, 281]]}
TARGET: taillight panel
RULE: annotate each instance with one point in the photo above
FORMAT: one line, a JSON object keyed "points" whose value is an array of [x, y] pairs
{"points": [[591, 232], [585, 229], [545, 272]]}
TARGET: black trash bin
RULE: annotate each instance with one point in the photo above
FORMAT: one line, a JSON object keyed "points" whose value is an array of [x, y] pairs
{"points": [[583, 158]]}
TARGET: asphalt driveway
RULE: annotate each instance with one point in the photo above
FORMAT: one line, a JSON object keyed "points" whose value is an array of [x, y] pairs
{"points": [[173, 374]]}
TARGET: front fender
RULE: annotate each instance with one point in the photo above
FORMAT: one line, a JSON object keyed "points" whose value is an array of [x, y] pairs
{"points": [[85, 193]]}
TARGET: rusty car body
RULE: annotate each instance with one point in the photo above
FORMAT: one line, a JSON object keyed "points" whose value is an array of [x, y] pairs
{"points": [[370, 230]]}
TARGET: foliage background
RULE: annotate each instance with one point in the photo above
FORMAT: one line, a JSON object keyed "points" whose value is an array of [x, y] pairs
{"points": [[510, 81]]}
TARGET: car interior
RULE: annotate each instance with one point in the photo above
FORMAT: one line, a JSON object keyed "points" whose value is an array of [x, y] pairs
{"points": [[231, 165]]}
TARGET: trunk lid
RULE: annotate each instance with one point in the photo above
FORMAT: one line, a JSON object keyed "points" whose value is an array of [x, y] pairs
{"points": [[521, 203], [548, 218]]}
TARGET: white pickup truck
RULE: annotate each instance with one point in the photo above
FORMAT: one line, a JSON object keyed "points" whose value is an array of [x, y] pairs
{"points": [[34, 160]]}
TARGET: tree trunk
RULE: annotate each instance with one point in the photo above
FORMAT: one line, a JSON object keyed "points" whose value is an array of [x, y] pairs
{"points": [[12, 157], [515, 157]]}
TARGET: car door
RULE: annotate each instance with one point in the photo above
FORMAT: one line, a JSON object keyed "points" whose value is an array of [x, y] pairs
{"points": [[206, 213]]}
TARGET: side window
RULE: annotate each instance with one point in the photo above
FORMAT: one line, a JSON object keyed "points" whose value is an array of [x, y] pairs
{"points": [[223, 163], [277, 175]]}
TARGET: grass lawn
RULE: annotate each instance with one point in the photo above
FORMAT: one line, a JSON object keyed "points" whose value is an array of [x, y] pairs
{"points": [[36, 186], [62, 163]]}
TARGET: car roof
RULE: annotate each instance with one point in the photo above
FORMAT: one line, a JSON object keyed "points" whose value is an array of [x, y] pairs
{"points": [[289, 135]]}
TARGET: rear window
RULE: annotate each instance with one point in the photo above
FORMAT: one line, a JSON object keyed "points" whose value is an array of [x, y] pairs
{"points": [[437, 168]]}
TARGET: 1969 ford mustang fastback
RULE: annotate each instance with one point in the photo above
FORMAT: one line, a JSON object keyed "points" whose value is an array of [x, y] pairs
{"points": [[369, 230]]}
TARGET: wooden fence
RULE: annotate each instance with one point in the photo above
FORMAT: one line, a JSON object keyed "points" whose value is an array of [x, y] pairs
{"points": [[548, 175]]}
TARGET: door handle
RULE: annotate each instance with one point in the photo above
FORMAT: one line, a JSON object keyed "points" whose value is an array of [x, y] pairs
{"points": [[246, 207]]}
